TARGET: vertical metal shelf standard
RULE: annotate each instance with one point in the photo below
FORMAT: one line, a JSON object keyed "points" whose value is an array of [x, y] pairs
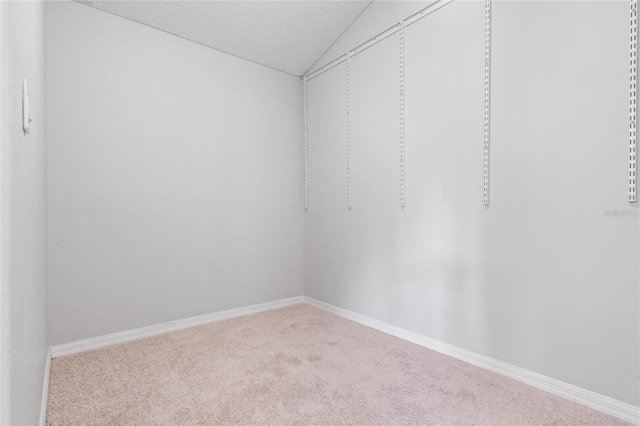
{"points": [[402, 152], [633, 72], [487, 98], [304, 125], [349, 132]]}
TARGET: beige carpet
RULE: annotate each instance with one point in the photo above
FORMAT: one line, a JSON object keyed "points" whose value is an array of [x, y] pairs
{"points": [[296, 365]]}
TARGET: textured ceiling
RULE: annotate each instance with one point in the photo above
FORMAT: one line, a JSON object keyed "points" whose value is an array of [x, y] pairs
{"points": [[286, 35]]}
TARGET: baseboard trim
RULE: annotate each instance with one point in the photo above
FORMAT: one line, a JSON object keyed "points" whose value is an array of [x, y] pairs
{"points": [[45, 390], [152, 330], [605, 404]]}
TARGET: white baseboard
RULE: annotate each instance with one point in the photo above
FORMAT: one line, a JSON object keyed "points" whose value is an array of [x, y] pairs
{"points": [[45, 390], [605, 404], [152, 330]]}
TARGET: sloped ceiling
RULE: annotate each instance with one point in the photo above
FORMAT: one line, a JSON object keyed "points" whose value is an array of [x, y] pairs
{"points": [[286, 35]]}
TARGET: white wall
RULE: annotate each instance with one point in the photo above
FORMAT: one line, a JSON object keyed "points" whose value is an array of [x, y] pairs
{"points": [[23, 215], [174, 177], [543, 278]]}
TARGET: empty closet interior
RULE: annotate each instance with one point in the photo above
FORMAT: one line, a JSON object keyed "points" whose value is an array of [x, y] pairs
{"points": [[458, 174]]}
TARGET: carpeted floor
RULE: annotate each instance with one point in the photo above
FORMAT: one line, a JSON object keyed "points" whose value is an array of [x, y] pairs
{"points": [[296, 365]]}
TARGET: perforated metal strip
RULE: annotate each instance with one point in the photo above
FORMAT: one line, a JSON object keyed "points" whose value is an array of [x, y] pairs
{"points": [[633, 70], [410, 20], [349, 131], [402, 151], [487, 97], [304, 124]]}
